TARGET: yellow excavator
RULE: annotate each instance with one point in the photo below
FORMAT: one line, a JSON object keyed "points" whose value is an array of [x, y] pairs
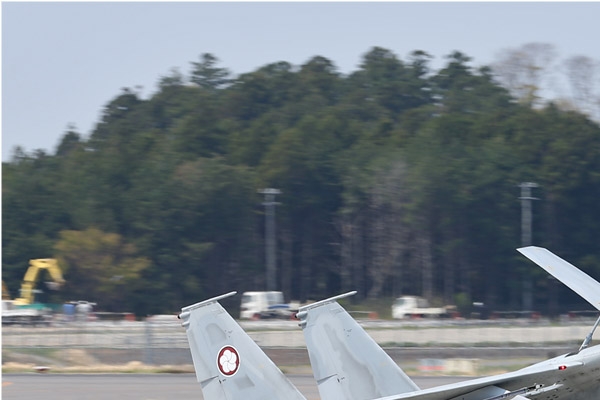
{"points": [[28, 284], [23, 310]]}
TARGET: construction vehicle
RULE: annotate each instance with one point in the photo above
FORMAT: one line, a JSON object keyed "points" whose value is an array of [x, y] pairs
{"points": [[22, 315], [5, 292], [28, 284], [23, 310]]}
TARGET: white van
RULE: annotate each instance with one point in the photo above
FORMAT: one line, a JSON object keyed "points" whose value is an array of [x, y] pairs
{"points": [[256, 305]]}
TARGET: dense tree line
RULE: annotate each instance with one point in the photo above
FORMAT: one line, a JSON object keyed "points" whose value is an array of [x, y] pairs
{"points": [[395, 179]]}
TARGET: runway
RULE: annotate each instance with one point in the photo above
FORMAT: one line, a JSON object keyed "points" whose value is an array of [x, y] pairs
{"points": [[138, 386]]}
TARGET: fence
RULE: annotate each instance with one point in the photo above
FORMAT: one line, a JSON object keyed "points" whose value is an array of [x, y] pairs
{"points": [[165, 343]]}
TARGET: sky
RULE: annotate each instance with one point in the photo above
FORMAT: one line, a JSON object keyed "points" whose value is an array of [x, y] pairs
{"points": [[63, 62]]}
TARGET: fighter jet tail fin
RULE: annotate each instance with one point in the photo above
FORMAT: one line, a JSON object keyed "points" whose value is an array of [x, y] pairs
{"points": [[347, 363], [229, 364]]}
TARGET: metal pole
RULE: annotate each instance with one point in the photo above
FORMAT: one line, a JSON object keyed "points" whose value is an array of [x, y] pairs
{"points": [[526, 238], [270, 239]]}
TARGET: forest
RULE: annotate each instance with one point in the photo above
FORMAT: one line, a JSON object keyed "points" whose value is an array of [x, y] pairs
{"points": [[395, 179]]}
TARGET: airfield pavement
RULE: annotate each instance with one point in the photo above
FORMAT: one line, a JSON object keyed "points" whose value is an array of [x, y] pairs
{"points": [[139, 386]]}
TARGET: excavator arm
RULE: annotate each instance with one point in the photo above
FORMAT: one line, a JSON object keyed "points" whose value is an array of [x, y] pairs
{"points": [[31, 276]]}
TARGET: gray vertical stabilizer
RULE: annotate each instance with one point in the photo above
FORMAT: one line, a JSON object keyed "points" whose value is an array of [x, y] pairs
{"points": [[577, 280], [347, 363], [229, 364]]}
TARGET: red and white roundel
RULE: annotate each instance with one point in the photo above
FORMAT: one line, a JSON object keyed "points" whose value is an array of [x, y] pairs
{"points": [[228, 360]]}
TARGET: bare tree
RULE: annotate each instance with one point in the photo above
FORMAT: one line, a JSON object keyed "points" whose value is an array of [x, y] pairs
{"points": [[349, 227], [387, 230], [523, 69], [581, 73]]}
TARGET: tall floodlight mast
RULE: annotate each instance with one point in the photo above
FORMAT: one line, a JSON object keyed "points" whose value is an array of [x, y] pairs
{"points": [[526, 238], [270, 239]]}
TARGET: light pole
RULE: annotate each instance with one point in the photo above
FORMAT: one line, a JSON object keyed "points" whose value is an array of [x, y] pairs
{"points": [[270, 240], [526, 235]]}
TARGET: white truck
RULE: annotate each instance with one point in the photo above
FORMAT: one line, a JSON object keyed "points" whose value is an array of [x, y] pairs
{"points": [[415, 307], [263, 305]]}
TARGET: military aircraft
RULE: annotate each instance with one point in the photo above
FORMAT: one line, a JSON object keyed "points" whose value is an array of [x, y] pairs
{"points": [[349, 365], [229, 365]]}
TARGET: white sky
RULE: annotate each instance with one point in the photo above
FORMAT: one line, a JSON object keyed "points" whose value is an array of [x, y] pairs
{"points": [[62, 62]]}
